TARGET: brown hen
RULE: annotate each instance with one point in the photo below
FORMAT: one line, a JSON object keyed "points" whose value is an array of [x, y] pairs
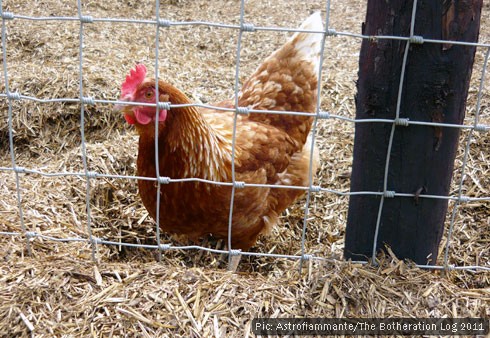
{"points": [[197, 143]]}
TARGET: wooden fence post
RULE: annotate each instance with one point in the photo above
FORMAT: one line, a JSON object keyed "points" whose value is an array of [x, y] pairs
{"points": [[435, 88]]}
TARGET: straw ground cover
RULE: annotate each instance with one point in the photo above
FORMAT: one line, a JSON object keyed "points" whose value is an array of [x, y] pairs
{"points": [[58, 290]]}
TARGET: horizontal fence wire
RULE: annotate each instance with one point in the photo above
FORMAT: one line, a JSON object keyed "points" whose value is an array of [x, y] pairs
{"points": [[167, 180], [250, 27], [160, 23], [245, 110]]}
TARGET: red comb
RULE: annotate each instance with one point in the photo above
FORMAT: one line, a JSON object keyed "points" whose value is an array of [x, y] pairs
{"points": [[135, 77]]}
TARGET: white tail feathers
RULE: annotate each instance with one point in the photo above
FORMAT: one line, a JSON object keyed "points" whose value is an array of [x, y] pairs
{"points": [[313, 22], [309, 44]]}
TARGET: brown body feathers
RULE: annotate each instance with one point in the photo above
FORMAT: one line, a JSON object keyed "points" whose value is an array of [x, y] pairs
{"points": [[270, 148]]}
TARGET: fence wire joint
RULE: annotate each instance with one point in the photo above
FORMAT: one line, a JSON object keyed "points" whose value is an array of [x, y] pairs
{"points": [[306, 257], [164, 23], [86, 19], [91, 174], [96, 240], [449, 267], [416, 39], [163, 180], [404, 122], [389, 194], [13, 96], [88, 100], [315, 188], [323, 115], [481, 128], [248, 27], [8, 15], [31, 234], [235, 252], [239, 184], [20, 170], [163, 105], [243, 110]]}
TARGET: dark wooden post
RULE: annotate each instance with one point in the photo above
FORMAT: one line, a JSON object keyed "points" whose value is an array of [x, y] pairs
{"points": [[422, 157]]}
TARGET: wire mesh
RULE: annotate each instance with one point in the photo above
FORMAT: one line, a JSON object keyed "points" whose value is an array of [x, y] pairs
{"points": [[386, 193], [242, 28]]}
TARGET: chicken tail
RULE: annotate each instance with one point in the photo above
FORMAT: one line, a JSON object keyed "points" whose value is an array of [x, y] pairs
{"points": [[287, 81], [309, 44]]}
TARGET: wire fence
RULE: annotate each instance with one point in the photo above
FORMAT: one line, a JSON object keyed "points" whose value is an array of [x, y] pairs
{"points": [[243, 27]]}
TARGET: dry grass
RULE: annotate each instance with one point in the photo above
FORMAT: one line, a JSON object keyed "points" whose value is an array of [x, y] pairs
{"points": [[59, 291]]}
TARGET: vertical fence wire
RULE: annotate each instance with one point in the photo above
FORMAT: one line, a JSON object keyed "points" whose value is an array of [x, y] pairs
{"points": [[313, 136], [465, 159], [157, 112], [10, 98], [386, 193], [235, 119], [88, 176]]}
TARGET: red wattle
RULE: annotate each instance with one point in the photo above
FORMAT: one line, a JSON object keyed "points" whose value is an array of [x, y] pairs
{"points": [[129, 119], [141, 116]]}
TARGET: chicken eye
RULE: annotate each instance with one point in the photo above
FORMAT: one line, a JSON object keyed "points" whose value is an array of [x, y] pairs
{"points": [[149, 94]]}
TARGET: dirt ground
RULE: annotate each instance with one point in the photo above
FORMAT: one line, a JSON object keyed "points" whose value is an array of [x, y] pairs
{"points": [[58, 290]]}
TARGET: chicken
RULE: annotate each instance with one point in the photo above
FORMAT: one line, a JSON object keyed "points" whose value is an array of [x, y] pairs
{"points": [[197, 143]]}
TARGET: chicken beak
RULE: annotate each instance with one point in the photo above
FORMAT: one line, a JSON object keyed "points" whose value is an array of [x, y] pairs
{"points": [[127, 110], [120, 107]]}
